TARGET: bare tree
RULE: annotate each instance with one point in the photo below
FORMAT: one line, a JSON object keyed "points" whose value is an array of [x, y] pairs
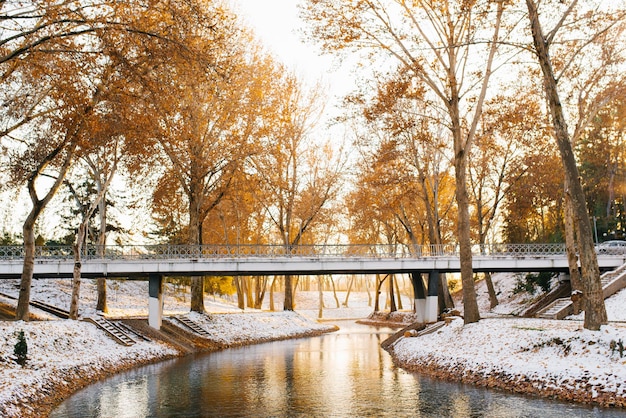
{"points": [[433, 43], [574, 16]]}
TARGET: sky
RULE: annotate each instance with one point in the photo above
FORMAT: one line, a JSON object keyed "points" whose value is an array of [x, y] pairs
{"points": [[277, 24]]}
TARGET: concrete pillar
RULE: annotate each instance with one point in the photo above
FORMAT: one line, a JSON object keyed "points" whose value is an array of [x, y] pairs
{"points": [[155, 302], [431, 311], [419, 290]]}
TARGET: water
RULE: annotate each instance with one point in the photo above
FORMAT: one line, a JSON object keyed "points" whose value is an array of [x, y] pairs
{"points": [[344, 374]]}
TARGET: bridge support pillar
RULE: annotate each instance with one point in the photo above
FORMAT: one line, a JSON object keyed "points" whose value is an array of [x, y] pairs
{"points": [[419, 290], [431, 310], [155, 302]]}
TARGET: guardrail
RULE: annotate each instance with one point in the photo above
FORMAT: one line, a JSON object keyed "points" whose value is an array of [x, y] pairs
{"points": [[162, 251]]}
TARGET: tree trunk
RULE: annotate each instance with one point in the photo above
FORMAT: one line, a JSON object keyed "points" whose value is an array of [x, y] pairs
{"points": [[493, 298], [78, 247], [197, 283], [572, 257], [101, 283], [332, 281], [197, 294], [379, 284], [28, 230], [345, 302], [320, 311], [470, 304], [288, 306], [241, 304], [249, 292], [398, 294], [595, 311], [392, 297], [260, 286], [272, 307], [443, 294]]}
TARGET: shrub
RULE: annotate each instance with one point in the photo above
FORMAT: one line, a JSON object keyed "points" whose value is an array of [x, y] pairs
{"points": [[617, 346], [21, 349], [530, 282]]}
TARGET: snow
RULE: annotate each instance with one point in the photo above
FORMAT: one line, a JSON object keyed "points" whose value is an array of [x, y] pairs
{"points": [[554, 353], [550, 354], [55, 350]]}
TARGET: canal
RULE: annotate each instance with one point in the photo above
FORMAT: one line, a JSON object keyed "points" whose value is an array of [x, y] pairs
{"points": [[343, 374]]}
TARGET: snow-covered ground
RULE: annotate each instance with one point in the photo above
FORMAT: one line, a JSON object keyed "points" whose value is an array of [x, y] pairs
{"points": [[558, 353], [513, 304], [555, 358], [529, 355]]}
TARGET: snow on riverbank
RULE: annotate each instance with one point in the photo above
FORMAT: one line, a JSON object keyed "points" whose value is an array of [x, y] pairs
{"points": [[60, 353], [64, 354], [543, 357], [555, 358]]}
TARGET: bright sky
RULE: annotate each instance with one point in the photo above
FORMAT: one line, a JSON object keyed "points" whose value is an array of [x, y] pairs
{"points": [[276, 23]]}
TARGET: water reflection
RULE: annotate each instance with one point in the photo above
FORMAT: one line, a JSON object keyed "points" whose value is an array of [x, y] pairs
{"points": [[343, 374]]}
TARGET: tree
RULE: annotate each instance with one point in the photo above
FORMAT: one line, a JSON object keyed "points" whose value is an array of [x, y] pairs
{"points": [[208, 128], [433, 42], [533, 207], [50, 148], [299, 177], [602, 156], [87, 210], [49, 53], [592, 25], [508, 131]]}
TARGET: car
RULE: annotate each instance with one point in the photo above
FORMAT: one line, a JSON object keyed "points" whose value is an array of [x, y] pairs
{"points": [[612, 247]]}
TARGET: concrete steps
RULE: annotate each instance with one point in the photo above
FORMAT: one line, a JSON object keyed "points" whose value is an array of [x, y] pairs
{"points": [[558, 309], [192, 326], [612, 282], [117, 333]]}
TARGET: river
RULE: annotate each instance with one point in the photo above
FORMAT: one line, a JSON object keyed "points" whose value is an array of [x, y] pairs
{"points": [[343, 374]]}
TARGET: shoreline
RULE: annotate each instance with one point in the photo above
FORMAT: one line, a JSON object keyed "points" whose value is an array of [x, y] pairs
{"points": [[520, 384], [61, 383], [42, 396], [57, 389], [545, 359]]}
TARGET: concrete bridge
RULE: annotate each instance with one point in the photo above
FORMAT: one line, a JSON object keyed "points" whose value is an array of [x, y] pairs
{"points": [[153, 262]]}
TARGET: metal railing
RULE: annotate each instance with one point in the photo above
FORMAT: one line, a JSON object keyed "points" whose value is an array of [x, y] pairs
{"points": [[164, 252]]}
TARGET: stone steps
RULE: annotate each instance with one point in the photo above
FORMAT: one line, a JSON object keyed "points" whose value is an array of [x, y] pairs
{"points": [[612, 282], [116, 332], [193, 326]]}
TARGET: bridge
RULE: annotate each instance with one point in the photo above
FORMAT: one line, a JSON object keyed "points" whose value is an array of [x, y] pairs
{"points": [[153, 262]]}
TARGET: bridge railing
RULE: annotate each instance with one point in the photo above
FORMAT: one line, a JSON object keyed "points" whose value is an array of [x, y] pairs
{"points": [[163, 251]]}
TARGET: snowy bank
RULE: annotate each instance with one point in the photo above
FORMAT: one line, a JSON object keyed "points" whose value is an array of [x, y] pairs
{"points": [[542, 357], [65, 355]]}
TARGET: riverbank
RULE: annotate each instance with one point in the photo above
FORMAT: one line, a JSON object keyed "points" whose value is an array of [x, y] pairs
{"points": [[541, 357], [64, 355], [554, 359]]}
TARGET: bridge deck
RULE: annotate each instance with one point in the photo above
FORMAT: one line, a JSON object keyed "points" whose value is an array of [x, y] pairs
{"points": [[140, 261]]}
